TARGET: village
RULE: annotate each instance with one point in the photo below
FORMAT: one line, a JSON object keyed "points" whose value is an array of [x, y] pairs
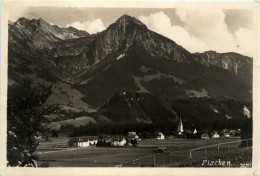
{"points": [[131, 139], [134, 150]]}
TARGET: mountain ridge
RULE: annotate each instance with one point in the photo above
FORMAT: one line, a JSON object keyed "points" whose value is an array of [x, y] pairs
{"points": [[126, 57]]}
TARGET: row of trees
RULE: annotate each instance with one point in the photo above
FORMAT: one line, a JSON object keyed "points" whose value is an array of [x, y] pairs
{"points": [[148, 130]]}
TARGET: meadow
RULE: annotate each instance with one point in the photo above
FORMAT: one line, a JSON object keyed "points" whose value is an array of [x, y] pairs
{"points": [[56, 154]]}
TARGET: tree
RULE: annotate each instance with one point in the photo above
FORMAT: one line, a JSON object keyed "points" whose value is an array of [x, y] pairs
{"points": [[247, 133], [25, 113]]}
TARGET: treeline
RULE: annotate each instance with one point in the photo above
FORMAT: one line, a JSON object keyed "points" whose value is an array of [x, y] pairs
{"points": [[149, 130], [146, 130], [211, 114], [68, 114]]}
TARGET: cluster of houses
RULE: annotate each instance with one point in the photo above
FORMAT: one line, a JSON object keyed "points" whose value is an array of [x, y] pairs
{"points": [[132, 138], [115, 141], [204, 134]]}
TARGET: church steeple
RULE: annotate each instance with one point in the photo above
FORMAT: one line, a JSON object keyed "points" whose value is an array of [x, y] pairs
{"points": [[180, 125]]}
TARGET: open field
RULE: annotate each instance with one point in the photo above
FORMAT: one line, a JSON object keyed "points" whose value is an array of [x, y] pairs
{"points": [[110, 157], [83, 120]]}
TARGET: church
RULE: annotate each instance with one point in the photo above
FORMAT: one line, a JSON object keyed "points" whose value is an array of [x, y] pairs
{"points": [[180, 126]]}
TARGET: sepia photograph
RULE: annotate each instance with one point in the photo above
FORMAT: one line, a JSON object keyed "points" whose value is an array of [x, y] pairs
{"points": [[130, 85]]}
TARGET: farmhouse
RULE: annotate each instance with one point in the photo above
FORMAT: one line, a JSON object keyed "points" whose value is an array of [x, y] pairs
{"points": [[215, 136], [160, 136], [82, 142]]}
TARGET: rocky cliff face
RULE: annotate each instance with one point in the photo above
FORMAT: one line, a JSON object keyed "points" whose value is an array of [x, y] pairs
{"points": [[127, 31], [42, 44], [127, 56], [233, 62]]}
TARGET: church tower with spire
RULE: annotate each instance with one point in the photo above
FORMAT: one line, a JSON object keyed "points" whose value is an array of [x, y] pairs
{"points": [[180, 126]]}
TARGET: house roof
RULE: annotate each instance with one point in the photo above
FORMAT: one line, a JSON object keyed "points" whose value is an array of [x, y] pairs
{"points": [[82, 139]]}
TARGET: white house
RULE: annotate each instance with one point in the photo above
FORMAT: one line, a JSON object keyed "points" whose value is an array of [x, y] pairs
{"points": [[83, 141], [160, 136], [215, 136]]}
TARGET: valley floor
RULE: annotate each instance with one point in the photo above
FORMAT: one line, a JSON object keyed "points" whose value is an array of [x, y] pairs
{"points": [[55, 153]]}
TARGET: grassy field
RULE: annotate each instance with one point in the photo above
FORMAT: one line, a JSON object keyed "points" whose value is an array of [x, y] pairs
{"points": [[83, 120], [57, 156]]}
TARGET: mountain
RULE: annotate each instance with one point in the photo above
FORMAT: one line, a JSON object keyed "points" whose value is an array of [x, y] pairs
{"points": [[141, 107], [200, 113], [241, 66], [91, 71]]}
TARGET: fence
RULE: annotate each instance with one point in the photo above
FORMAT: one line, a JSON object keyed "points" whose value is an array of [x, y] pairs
{"points": [[219, 147], [181, 158], [155, 160]]}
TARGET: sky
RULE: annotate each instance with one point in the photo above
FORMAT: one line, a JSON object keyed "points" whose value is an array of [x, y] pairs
{"points": [[197, 28]]}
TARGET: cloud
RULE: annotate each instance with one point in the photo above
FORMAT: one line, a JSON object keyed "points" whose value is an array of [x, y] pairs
{"points": [[208, 25], [246, 40], [204, 29], [91, 27], [161, 23]]}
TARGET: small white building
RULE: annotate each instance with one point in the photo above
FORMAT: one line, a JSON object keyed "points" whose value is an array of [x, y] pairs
{"points": [[83, 142], [215, 136], [160, 136]]}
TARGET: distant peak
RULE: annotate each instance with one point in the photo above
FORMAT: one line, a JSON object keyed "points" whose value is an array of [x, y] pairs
{"points": [[125, 16], [126, 19], [10, 22], [41, 20], [210, 51], [22, 21]]}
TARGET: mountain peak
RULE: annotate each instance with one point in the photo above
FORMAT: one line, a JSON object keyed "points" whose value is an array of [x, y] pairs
{"points": [[125, 16], [41, 20], [126, 20], [22, 21]]}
